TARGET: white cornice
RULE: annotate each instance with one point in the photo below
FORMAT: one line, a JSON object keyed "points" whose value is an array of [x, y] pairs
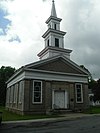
{"points": [[48, 75], [53, 18], [55, 77], [53, 31], [18, 72], [53, 72], [56, 49]]}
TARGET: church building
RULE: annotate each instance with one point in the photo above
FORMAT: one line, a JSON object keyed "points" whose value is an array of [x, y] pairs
{"points": [[54, 82]]}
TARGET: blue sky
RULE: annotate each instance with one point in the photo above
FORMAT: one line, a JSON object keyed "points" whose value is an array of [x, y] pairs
{"points": [[3, 21], [22, 23]]}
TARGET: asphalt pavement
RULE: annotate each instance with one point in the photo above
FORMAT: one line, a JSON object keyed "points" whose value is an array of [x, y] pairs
{"points": [[70, 123], [62, 117]]}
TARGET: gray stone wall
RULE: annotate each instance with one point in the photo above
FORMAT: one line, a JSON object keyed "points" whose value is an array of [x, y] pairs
{"points": [[26, 95], [11, 103], [71, 96], [27, 107], [48, 96]]}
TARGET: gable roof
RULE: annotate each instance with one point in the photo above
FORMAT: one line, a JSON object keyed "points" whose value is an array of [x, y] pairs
{"points": [[38, 66]]}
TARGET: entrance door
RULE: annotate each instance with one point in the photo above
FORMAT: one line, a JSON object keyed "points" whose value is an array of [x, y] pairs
{"points": [[59, 99]]}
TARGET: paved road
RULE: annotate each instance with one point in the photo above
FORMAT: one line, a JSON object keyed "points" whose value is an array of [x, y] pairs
{"points": [[89, 124]]}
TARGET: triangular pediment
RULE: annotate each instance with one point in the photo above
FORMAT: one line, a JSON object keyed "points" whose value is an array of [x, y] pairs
{"points": [[58, 64]]}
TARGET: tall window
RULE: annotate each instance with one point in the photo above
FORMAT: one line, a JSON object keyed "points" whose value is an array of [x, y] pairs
{"points": [[7, 96], [79, 93], [56, 42], [15, 89], [55, 26], [21, 88], [37, 92], [11, 94], [48, 42]]}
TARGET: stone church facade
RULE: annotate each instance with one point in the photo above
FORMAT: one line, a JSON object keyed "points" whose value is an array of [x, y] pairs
{"points": [[54, 82]]}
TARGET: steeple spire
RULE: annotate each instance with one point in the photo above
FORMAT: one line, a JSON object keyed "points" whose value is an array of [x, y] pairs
{"points": [[54, 37], [53, 10]]}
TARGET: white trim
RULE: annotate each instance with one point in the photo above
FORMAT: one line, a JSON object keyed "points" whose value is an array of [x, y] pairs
{"points": [[55, 76], [81, 93], [48, 75], [16, 79], [56, 73], [33, 92]]}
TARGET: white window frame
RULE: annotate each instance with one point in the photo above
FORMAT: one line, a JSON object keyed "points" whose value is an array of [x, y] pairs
{"points": [[33, 92], [81, 92]]}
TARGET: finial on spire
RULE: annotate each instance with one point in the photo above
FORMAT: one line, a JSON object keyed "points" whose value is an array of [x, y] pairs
{"points": [[53, 10]]}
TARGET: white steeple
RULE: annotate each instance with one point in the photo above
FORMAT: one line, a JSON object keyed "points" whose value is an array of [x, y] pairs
{"points": [[54, 37], [53, 10]]}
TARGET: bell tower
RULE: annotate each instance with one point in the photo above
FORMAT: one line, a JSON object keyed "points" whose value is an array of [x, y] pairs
{"points": [[54, 37]]}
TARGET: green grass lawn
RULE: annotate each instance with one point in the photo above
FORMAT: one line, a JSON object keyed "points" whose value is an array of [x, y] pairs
{"points": [[93, 110], [9, 116]]}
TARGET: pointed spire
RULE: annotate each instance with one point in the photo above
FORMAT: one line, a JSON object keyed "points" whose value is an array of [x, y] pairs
{"points": [[53, 10]]}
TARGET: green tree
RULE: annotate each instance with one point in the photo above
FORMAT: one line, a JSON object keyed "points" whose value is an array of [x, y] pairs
{"points": [[96, 90], [5, 74], [95, 87]]}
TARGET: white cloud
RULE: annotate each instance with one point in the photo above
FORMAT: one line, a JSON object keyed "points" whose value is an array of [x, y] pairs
{"points": [[1, 31], [80, 19], [26, 23]]}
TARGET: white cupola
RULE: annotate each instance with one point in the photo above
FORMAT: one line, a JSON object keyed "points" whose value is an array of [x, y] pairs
{"points": [[53, 37]]}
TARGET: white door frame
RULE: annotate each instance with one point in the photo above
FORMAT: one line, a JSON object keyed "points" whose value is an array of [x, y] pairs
{"points": [[66, 98]]}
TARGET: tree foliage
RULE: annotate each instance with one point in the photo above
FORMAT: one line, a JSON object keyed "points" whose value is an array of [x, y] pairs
{"points": [[83, 67], [95, 87], [5, 74]]}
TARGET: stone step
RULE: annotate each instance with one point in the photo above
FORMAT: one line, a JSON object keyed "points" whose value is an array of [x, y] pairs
{"points": [[62, 111]]}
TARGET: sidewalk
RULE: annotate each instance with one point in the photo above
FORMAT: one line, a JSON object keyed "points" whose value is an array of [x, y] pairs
{"points": [[63, 117]]}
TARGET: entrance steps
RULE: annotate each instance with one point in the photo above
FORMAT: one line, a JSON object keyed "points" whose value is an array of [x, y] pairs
{"points": [[62, 111]]}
